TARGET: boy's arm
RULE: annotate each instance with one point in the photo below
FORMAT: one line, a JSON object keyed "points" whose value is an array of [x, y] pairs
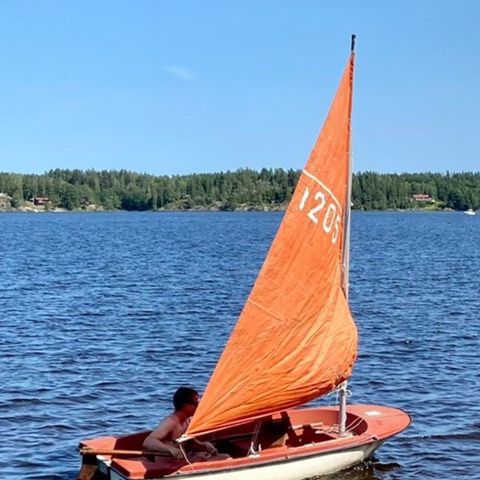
{"points": [[156, 440], [204, 446]]}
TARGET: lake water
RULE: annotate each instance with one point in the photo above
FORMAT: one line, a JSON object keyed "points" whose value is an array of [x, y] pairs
{"points": [[103, 315]]}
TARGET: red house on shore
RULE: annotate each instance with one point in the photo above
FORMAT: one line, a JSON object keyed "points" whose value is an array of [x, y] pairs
{"points": [[39, 201], [422, 197]]}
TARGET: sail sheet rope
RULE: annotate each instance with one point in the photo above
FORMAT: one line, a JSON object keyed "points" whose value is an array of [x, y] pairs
{"points": [[180, 446]]}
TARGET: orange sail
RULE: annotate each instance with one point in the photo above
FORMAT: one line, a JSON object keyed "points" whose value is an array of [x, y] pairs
{"points": [[295, 339]]}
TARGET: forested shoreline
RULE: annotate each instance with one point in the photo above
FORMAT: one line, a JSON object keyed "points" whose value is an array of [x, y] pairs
{"points": [[244, 189]]}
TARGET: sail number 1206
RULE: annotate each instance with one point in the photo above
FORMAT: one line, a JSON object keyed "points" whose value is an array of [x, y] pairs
{"points": [[324, 212]]}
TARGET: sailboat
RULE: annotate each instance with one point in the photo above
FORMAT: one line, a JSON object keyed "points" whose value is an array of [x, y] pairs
{"points": [[295, 341]]}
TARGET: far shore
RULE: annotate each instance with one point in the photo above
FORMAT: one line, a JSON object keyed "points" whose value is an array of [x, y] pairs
{"points": [[241, 208]]}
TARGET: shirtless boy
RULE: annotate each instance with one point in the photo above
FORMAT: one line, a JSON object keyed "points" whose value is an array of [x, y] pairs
{"points": [[162, 439]]}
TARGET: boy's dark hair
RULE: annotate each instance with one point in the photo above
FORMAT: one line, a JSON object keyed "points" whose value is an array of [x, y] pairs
{"points": [[183, 396]]}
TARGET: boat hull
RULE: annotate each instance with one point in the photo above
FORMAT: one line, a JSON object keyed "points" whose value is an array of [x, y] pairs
{"points": [[310, 446], [287, 469]]}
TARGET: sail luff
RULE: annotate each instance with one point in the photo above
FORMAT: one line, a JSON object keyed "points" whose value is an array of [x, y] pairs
{"points": [[348, 201]]}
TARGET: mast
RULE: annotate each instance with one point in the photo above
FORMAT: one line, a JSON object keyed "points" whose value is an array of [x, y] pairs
{"points": [[342, 391], [348, 203]]}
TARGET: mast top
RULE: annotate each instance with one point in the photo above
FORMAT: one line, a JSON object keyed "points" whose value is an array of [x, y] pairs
{"points": [[352, 48]]}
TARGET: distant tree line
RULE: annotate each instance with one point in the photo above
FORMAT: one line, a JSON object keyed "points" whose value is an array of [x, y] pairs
{"points": [[374, 191], [268, 188]]}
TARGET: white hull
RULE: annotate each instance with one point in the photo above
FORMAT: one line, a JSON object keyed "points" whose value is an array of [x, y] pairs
{"points": [[286, 469]]}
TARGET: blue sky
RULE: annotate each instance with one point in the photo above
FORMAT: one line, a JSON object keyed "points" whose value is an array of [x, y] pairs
{"points": [[176, 87]]}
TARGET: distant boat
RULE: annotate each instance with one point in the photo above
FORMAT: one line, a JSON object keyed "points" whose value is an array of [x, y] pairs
{"points": [[470, 211], [295, 340]]}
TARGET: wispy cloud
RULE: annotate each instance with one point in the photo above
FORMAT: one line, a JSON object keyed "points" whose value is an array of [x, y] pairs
{"points": [[181, 73]]}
